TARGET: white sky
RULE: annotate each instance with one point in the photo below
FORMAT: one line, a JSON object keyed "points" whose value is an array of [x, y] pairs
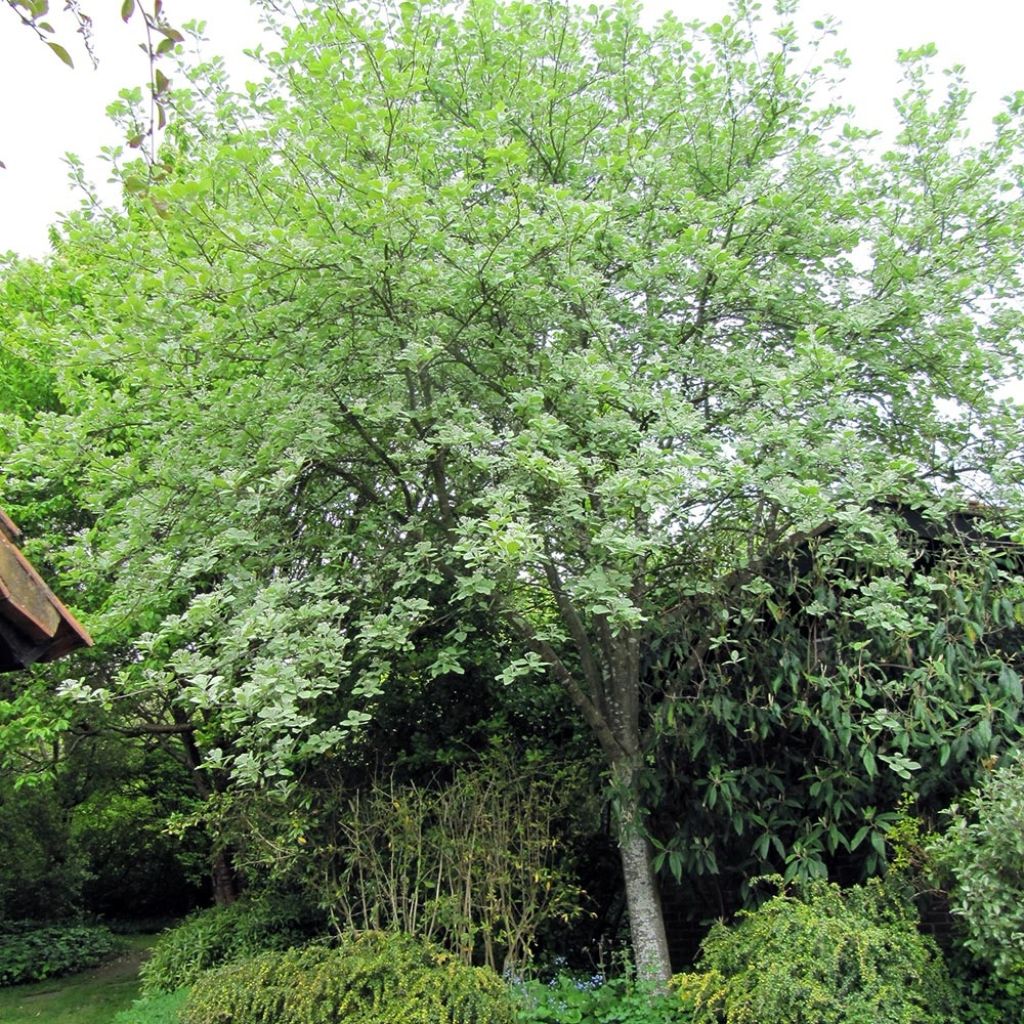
{"points": [[48, 109]]}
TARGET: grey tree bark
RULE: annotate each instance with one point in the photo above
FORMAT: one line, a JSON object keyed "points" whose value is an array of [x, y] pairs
{"points": [[608, 697], [643, 897]]}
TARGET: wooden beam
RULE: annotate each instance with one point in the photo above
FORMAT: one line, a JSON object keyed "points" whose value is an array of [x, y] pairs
{"points": [[36, 626]]}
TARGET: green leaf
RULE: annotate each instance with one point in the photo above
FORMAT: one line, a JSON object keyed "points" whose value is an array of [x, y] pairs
{"points": [[62, 53], [859, 836]]}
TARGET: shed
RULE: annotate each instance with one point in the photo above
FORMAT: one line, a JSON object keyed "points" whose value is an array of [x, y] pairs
{"points": [[34, 625]]}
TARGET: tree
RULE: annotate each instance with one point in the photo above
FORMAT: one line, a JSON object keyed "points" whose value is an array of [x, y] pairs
{"points": [[525, 315]]}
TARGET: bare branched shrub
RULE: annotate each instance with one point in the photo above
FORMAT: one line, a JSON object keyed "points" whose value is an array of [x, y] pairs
{"points": [[474, 865]]}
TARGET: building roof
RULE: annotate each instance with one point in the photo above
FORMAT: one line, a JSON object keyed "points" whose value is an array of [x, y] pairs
{"points": [[34, 625]]}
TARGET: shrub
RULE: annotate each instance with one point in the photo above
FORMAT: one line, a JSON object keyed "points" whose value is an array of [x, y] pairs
{"points": [[982, 996], [370, 978], [824, 956], [569, 1000], [155, 1009], [218, 935], [31, 952], [981, 854], [475, 865]]}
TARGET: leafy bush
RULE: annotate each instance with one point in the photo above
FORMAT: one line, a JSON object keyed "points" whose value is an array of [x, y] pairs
{"points": [[218, 935], [568, 1000], [31, 952], [370, 978], [982, 996], [981, 853], [474, 865], [824, 956], [42, 873], [155, 1009]]}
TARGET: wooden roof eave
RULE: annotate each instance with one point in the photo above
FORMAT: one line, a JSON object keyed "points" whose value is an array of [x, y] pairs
{"points": [[33, 616]]}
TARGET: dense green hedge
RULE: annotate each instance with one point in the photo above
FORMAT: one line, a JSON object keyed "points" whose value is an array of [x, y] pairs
{"points": [[371, 978], [32, 952], [823, 955], [218, 935]]}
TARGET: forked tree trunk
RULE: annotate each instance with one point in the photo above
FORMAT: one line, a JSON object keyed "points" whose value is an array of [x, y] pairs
{"points": [[608, 696]]}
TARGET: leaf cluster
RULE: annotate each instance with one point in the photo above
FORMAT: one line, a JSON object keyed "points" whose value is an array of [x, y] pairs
{"points": [[596, 1000], [32, 952], [979, 856], [162, 1008]]}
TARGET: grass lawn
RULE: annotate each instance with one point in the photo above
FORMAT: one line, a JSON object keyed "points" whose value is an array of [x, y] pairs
{"points": [[92, 997]]}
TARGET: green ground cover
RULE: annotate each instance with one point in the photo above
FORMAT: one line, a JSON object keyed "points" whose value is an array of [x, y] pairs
{"points": [[92, 997]]}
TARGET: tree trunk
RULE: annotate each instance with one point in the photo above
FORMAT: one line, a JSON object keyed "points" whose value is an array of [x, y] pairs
{"points": [[609, 700], [225, 889], [222, 872], [643, 900]]}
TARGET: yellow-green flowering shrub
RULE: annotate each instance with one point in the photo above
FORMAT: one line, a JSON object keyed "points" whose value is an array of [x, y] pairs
{"points": [[368, 978], [823, 955]]}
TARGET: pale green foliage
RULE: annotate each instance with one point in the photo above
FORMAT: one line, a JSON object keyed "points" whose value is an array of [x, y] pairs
{"points": [[522, 314], [822, 956], [370, 978], [525, 307], [982, 852]]}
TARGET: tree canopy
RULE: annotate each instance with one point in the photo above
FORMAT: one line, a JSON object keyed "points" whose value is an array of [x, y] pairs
{"points": [[526, 332]]}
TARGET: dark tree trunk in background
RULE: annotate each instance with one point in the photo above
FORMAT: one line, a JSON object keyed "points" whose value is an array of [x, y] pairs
{"points": [[225, 884]]}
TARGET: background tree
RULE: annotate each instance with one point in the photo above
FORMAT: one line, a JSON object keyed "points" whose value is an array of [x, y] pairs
{"points": [[89, 836], [795, 743], [531, 316]]}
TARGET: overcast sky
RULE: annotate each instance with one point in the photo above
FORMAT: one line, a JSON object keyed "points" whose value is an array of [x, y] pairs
{"points": [[48, 109]]}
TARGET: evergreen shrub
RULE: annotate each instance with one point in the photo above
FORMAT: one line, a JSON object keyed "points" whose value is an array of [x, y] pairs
{"points": [[219, 935], [822, 955], [32, 952], [367, 978], [980, 858]]}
